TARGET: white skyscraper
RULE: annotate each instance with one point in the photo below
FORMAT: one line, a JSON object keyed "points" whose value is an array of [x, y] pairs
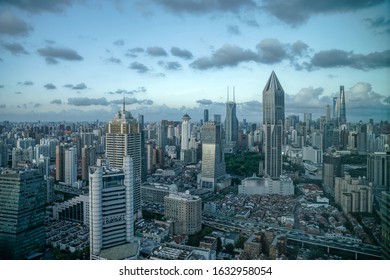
{"points": [[111, 211], [70, 166]]}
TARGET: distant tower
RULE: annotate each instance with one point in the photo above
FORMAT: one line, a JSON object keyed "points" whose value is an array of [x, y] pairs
{"points": [[206, 115], [343, 117], [70, 166], [213, 161], [123, 138], [273, 118], [335, 112], [60, 162], [231, 124], [327, 113], [185, 135]]}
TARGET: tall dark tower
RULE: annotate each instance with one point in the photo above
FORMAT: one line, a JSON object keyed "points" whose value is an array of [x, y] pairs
{"points": [[231, 124], [206, 115], [343, 117], [273, 118]]}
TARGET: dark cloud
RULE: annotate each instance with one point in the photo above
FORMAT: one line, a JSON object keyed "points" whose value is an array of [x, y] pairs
{"points": [[17, 92], [156, 51], [34, 6], [137, 50], [26, 83], [114, 60], [56, 101], [227, 55], [271, 51], [299, 48], [340, 58], [181, 53], [296, 12], [14, 48], [12, 25], [85, 101], [79, 86], [36, 105], [233, 29], [205, 6], [131, 101], [119, 42], [2, 106], [378, 22], [50, 86], [204, 101], [139, 67], [134, 91], [171, 65], [51, 54]]}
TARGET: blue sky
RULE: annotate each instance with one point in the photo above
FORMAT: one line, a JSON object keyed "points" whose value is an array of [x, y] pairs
{"points": [[75, 60]]}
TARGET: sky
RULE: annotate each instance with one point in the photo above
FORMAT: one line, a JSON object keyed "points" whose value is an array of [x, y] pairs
{"points": [[75, 60]]}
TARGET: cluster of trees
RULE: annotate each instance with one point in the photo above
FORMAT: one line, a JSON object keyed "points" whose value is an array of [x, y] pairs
{"points": [[244, 164]]}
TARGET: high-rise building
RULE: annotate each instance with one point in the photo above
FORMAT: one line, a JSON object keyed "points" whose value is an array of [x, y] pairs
{"points": [[88, 157], [60, 162], [111, 211], [205, 115], [22, 213], [231, 125], [327, 113], [213, 159], [385, 222], [187, 153], [378, 171], [343, 116], [70, 176], [186, 212], [331, 168], [123, 138], [273, 119]]}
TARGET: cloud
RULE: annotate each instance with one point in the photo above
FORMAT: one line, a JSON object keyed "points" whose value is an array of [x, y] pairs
{"points": [[308, 98], [378, 23], [114, 60], [131, 101], [119, 42], [2, 106], [271, 51], [233, 29], [56, 101], [205, 6], [134, 91], [227, 55], [341, 58], [14, 48], [79, 86], [26, 83], [85, 101], [204, 102], [12, 25], [139, 67], [50, 86], [182, 53], [296, 12], [51, 54], [171, 65], [17, 92], [156, 51], [41, 5]]}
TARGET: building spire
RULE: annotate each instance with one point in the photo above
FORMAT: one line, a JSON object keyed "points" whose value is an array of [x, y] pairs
{"points": [[124, 104]]}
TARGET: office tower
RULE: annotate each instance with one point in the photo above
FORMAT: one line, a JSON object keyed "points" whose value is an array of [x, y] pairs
{"points": [[307, 118], [3, 154], [185, 136], [162, 134], [213, 159], [87, 139], [21, 156], [327, 113], [331, 168], [149, 157], [217, 118], [186, 212], [143, 148], [22, 213], [111, 211], [88, 157], [205, 115], [70, 176], [60, 162], [343, 116], [362, 139], [273, 118], [123, 138], [385, 222], [335, 112], [231, 125], [378, 171]]}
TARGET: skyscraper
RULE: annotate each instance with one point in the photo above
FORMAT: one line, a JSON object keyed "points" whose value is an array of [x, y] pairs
{"points": [[273, 118], [60, 162], [343, 116], [70, 175], [22, 213], [213, 160], [206, 115], [111, 211], [231, 124], [123, 138], [187, 153]]}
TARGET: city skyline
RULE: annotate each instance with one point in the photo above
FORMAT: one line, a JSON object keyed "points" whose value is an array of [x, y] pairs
{"points": [[170, 58]]}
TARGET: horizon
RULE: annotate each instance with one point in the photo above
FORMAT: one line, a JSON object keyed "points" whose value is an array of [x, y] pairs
{"points": [[169, 59]]}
